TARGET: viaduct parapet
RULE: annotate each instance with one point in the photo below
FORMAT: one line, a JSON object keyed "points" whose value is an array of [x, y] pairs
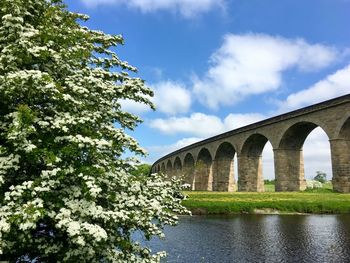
{"points": [[208, 164]]}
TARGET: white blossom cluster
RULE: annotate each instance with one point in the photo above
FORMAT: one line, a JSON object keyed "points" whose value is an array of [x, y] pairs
{"points": [[66, 194], [311, 184]]}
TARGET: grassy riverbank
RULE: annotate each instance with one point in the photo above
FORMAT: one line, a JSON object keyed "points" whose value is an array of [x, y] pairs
{"points": [[320, 201]]}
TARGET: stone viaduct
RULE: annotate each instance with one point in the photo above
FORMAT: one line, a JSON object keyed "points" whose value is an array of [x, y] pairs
{"points": [[208, 164]]}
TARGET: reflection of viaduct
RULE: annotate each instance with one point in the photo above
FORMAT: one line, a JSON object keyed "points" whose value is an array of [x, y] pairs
{"points": [[208, 164]]}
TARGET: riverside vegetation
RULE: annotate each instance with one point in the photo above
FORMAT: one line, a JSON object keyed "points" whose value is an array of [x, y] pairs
{"points": [[322, 201]]}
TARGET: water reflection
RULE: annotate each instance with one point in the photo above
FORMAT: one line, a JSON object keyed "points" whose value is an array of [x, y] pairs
{"points": [[258, 238]]}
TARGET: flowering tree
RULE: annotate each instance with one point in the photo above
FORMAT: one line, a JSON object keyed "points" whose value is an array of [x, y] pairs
{"points": [[320, 177], [66, 195]]}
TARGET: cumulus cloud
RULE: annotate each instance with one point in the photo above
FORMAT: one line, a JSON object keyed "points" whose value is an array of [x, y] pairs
{"points": [[134, 107], [198, 124], [169, 97], [233, 121], [203, 125], [253, 64], [187, 8], [334, 85]]}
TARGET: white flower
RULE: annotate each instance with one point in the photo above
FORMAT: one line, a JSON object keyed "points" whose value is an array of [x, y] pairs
{"points": [[73, 228]]}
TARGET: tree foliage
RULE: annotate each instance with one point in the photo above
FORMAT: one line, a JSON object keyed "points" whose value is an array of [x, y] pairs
{"points": [[320, 177], [141, 170], [66, 195]]}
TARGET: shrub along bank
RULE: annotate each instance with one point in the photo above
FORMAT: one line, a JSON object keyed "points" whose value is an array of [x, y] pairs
{"points": [[314, 201]]}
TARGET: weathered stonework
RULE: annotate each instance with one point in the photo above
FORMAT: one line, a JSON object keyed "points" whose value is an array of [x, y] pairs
{"points": [[289, 170], [208, 164], [250, 174]]}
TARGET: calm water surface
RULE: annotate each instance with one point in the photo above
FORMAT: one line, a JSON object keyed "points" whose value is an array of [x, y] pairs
{"points": [[258, 238]]}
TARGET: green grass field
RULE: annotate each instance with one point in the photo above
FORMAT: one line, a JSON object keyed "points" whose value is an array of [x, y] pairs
{"points": [[327, 185], [310, 201]]}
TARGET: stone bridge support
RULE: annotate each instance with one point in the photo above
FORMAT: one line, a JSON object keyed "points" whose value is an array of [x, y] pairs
{"points": [[188, 171], [223, 177], [340, 151], [340, 165], [250, 164], [162, 168], [177, 171], [169, 170], [250, 174], [203, 171], [289, 170]]}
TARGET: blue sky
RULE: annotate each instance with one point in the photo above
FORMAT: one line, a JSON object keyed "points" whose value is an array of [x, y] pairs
{"points": [[216, 65]]}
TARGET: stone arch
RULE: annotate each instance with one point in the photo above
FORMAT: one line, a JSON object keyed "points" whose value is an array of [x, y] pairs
{"points": [[203, 171], [169, 166], [169, 169], [250, 164], [342, 128], [162, 168], [289, 160], [344, 132], [223, 168], [177, 167], [188, 170], [158, 168], [295, 136], [340, 150]]}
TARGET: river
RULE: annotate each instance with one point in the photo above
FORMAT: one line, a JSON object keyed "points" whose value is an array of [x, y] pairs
{"points": [[257, 238]]}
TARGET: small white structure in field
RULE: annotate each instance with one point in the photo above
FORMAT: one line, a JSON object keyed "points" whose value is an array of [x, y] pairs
{"points": [[311, 184]]}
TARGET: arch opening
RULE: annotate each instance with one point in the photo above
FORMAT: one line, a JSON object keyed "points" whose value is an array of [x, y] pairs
{"points": [[203, 171], [223, 168], [162, 168], [177, 167], [289, 157], [188, 170], [268, 168], [169, 169], [317, 159], [296, 135]]}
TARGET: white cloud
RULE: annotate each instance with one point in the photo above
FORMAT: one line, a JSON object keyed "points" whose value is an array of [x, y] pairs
{"points": [[187, 8], [134, 107], [233, 121], [198, 124], [203, 125], [169, 97], [333, 86], [253, 64]]}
